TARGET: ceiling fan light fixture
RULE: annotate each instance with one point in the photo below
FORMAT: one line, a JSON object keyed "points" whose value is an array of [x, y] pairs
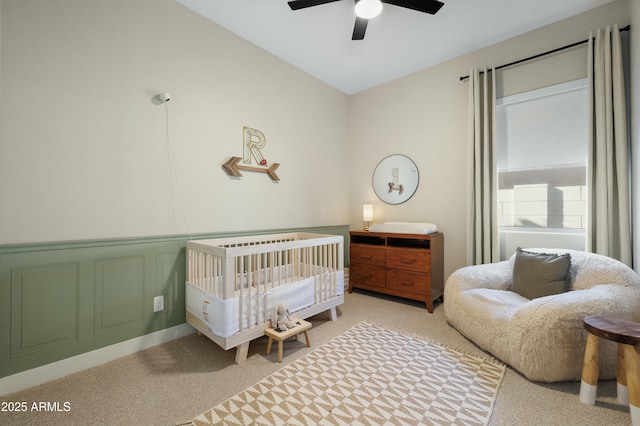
{"points": [[367, 9]]}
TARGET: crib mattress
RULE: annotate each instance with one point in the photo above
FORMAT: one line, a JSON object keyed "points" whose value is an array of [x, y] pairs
{"points": [[222, 316]]}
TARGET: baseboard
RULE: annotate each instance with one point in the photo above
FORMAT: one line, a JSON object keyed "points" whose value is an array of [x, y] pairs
{"points": [[46, 373]]}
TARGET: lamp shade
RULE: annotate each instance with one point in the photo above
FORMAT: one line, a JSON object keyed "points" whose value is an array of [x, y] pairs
{"points": [[368, 9], [367, 212]]}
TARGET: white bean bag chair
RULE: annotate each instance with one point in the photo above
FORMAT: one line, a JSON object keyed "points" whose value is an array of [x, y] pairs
{"points": [[543, 338]]}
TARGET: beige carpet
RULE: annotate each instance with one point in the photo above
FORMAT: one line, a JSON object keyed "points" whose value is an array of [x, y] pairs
{"points": [[176, 381], [369, 375]]}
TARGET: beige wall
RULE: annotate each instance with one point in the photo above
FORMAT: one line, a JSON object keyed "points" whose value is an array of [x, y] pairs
{"points": [[635, 127], [424, 116], [84, 152]]}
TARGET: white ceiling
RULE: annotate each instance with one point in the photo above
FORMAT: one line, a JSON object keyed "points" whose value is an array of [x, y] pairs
{"points": [[398, 42]]}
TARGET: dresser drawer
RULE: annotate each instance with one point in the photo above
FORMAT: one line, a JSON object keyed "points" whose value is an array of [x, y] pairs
{"points": [[370, 255], [367, 275], [417, 260], [410, 282]]}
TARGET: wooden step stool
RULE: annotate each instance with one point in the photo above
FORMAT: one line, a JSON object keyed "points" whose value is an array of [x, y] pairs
{"points": [[280, 336], [627, 335]]}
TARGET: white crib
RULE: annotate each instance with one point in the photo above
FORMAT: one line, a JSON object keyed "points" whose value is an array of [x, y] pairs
{"points": [[233, 283]]}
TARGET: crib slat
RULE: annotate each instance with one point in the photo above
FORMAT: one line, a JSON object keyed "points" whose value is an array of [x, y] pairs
{"points": [[239, 289]]}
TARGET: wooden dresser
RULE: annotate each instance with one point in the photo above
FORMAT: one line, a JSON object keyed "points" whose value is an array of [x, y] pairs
{"points": [[405, 265]]}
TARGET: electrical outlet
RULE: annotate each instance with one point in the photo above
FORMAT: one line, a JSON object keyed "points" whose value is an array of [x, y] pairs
{"points": [[158, 303]]}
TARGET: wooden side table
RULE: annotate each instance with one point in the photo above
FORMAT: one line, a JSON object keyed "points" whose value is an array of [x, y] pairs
{"points": [[627, 335], [281, 336]]}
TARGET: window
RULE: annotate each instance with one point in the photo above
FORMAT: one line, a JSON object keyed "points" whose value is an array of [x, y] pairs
{"points": [[541, 156]]}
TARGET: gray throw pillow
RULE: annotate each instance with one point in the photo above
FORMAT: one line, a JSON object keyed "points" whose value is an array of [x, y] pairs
{"points": [[540, 274]]}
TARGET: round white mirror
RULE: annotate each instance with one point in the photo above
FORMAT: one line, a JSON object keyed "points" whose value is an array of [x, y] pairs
{"points": [[395, 179]]}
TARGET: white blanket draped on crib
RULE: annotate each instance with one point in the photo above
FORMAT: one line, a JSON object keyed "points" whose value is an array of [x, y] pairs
{"points": [[222, 316]]}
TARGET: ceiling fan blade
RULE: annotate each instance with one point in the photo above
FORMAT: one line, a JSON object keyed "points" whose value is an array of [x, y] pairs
{"points": [[426, 6], [359, 28], [301, 4]]}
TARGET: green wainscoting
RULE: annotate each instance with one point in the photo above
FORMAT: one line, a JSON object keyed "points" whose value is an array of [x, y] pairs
{"points": [[63, 299]]}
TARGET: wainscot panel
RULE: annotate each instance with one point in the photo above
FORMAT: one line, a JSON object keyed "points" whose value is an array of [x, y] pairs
{"points": [[44, 307]]}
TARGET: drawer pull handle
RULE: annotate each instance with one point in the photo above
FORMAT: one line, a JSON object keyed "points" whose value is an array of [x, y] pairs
{"points": [[406, 283], [369, 257], [408, 262]]}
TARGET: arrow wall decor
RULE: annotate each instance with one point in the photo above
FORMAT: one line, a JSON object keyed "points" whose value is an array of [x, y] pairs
{"points": [[252, 144], [233, 168]]}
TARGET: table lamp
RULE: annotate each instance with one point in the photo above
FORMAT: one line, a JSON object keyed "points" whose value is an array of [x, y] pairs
{"points": [[367, 215]]}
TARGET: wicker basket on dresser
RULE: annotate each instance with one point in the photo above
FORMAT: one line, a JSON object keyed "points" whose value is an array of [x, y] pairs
{"points": [[404, 265]]}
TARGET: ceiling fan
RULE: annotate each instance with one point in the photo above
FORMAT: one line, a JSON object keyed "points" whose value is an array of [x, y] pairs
{"points": [[367, 9]]}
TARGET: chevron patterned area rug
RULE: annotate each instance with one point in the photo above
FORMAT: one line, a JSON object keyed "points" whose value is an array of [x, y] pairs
{"points": [[369, 375]]}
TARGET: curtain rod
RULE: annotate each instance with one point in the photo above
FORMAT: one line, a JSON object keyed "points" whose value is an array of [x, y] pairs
{"points": [[549, 52]]}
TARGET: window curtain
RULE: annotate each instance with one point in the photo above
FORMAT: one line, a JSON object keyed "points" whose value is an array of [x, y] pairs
{"points": [[482, 226], [608, 169]]}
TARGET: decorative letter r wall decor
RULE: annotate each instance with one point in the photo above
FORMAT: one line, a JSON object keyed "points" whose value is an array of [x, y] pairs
{"points": [[253, 142]]}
